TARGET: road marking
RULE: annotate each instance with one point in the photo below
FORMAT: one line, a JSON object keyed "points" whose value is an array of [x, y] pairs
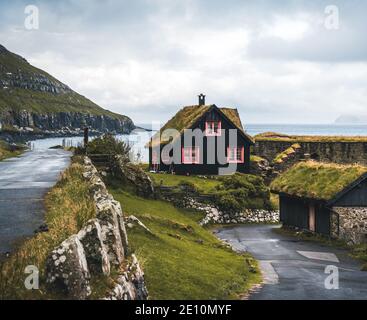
{"points": [[270, 276], [325, 256]]}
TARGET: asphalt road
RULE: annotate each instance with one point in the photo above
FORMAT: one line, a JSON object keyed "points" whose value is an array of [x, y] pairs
{"points": [[295, 269], [23, 184]]}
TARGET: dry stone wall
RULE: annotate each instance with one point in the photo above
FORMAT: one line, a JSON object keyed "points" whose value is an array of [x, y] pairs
{"points": [[98, 247], [216, 216], [338, 151], [351, 226]]}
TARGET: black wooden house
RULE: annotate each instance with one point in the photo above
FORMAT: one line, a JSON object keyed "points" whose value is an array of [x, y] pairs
{"points": [[173, 149], [327, 199]]}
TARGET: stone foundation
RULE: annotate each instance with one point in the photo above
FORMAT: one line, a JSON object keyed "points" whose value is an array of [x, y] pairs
{"points": [[352, 224]]}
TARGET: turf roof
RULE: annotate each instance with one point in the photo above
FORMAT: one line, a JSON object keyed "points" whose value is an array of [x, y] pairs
{"points": [[187, 116], [316, 180]]}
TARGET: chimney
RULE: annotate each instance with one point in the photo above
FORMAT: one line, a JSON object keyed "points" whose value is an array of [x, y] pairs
{"points": [[201, 99]]}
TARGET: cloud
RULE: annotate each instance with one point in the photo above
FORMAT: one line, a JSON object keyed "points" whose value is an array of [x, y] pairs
{"points": [[274, 61]]}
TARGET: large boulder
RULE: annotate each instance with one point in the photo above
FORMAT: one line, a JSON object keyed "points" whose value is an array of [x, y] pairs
{"points": [[67, 269], [135, 176], [95, 250], [109, 214]]}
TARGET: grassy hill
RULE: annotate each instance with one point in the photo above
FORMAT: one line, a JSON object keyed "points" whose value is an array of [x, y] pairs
{"points": [[25, 89], [184, 260]]}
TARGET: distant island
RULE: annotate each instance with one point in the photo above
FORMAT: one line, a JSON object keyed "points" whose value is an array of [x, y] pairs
{"points": [[351, 119]]}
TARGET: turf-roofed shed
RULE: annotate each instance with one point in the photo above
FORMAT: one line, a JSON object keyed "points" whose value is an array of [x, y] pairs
{"points": [[326, 198], [214, 123]]}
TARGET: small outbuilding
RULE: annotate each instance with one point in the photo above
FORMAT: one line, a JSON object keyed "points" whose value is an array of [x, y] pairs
{"points": [[328, 199]]}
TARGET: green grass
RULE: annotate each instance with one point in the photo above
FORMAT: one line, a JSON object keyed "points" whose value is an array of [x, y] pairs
{"points": [[7, 152], [274, 136], [256, 159], [203, 185], [317, 180], [44, 102], [274, 199], [183, 260], [283, 155], [69, 206]]}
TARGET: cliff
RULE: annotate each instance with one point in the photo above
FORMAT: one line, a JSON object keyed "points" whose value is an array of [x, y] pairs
{"points": [[31, 100]]}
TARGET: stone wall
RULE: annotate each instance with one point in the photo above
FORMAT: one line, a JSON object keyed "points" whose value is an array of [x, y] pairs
{"points": [[352, 224], [98, 247], [338, 152], [216, 216]]}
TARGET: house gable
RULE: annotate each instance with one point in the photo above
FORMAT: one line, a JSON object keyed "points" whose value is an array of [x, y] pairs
{"points": [[354, 195], [227, 116], [190, 117]]}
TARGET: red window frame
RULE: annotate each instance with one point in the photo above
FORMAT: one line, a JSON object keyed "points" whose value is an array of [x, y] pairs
{"points": [[210, 128], [236, 150], [187, 155]]}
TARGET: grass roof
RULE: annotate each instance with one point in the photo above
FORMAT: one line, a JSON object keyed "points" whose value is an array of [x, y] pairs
{"points": [[316, 180], [274, 136], [186, 118], [234, 116]]}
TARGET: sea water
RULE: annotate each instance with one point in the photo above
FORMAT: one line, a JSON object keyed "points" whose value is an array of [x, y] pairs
{"points": [[138, 139]]}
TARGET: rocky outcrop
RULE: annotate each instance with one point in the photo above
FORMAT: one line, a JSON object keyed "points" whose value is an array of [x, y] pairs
{"points": [[64, 122], [132, 221], [101, 245], [67, 269], [134, 175], [262, 167]]}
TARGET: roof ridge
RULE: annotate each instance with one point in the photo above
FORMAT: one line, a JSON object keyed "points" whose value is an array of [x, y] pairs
{"points": [[187, 116]]}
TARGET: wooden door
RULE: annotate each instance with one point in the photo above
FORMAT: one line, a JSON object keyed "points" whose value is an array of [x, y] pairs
{"points": [[312, 218]]}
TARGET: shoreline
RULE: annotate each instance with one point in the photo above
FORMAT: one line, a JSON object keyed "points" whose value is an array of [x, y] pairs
{"points": [[27, 136]]}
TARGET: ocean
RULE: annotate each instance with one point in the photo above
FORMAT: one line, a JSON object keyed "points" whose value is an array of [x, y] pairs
{"points": [[309, 129], [138, 140], [302, 129]]}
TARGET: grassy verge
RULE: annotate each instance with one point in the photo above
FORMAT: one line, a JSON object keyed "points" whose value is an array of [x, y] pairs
{"points": [[357, 251], [68, 207], [183, 260], [6, 151], [274, 199], [203, 185], [274, 136]]}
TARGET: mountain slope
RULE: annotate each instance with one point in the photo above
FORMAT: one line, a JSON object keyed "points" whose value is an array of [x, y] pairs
{"points": [[30, 97]]}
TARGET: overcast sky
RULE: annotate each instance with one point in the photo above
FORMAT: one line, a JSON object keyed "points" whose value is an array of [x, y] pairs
{"points": [[273, 60]]}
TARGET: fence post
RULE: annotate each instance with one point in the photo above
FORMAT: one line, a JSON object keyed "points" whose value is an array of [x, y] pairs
{"points": [[86, 138]]}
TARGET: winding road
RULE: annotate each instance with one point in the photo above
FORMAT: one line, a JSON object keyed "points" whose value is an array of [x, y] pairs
{"points": [[23, 183], [294, 269]]}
